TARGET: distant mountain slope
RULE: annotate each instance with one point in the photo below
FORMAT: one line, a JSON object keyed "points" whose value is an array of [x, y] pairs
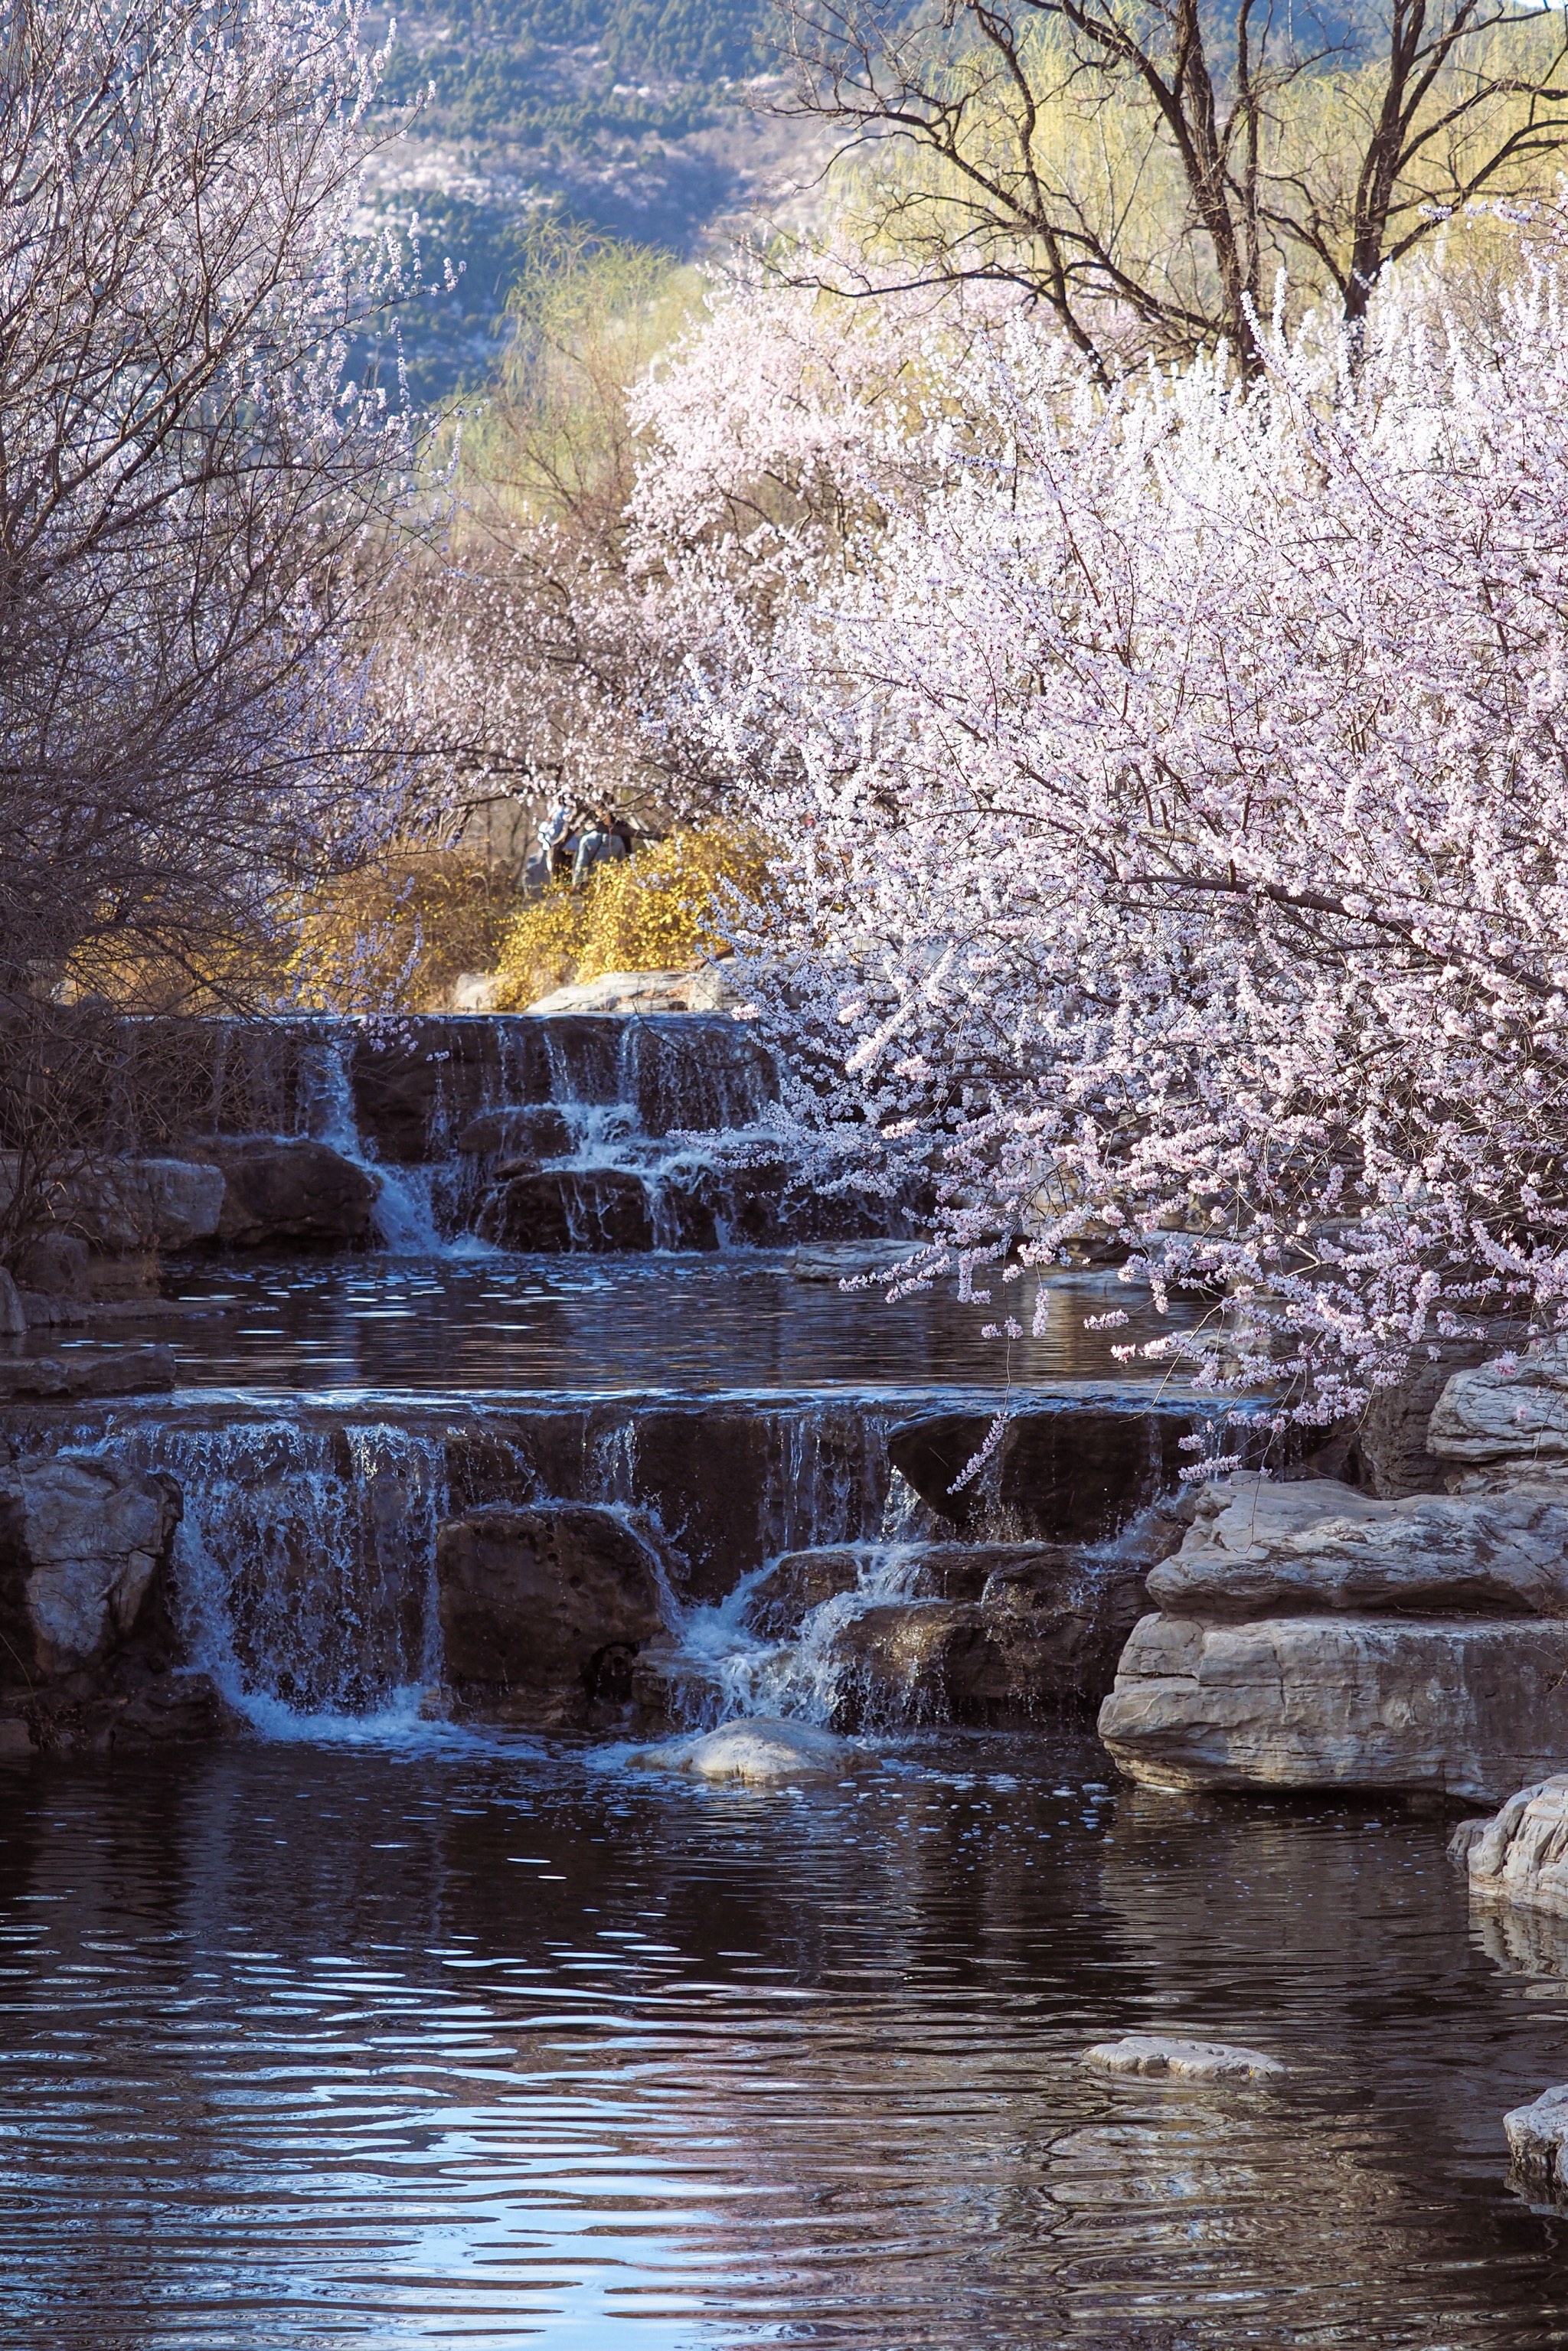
{"points": [[628, 115]]}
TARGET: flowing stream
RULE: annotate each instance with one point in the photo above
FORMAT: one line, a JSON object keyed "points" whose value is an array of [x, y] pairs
{"points": [[379, 2027]]}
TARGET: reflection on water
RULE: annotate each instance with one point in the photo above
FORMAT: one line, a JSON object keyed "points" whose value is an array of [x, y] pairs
{"points": [[307, 2048], [686, 1324]]}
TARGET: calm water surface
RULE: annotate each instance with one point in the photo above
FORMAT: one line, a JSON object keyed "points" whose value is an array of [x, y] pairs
{"points": [[308, 2046], [687, 1324]]}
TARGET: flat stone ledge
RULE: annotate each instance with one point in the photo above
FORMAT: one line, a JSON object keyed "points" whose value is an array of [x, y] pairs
{"points": [[1158, 2055]]}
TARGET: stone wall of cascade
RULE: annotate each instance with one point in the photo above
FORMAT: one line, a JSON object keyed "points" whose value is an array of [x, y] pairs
{"points": [[574, 1132], [588, 1566]]}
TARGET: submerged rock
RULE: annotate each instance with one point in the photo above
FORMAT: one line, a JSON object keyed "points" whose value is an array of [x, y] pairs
{"points": [[134, 1369], [295, 1191], [1538, 2145], [758, 1752], [1466, 1709], [543, 1611], [1521, 1854], [81, 1538], [1158, 2055]]}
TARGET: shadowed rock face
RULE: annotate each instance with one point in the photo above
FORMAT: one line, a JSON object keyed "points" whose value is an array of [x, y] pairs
{"points": [[1073, 1473], [1009, 1632], [594, 1208], [1506, 1418], [81, 1541], [295, 1191], [86, 1643], [542, 1612]]}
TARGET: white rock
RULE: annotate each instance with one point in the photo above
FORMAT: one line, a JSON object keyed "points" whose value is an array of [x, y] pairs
{"points": [[1521, 1854], [1184, 2061], [1468, 1709], [704, 990], [1538, 2142], [758, 1752], [1260, 1547], [1492, 1416]]}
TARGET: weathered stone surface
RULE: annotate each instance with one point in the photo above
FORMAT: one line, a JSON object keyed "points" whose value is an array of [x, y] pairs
{"points": [[590, 1208], [758, 1753], [1538, 2145], [1466, 1709], [535, 1131], [800, 1581], [13, 1313], [543, 1610], [125, 1709], [1521, 1854], [1260, 1547], [706, 989], [1491, 1416], [1071, 1471], [123, 1204], [293, 1193], [1009, 1632], [55, 1265], [1390, 1455], [131, 1370], [1167, 2056], [81, 1538], [782, 1599]]}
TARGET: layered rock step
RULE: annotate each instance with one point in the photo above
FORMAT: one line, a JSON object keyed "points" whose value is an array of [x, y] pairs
{"points": [[980, 1634], [1309, 1636]]}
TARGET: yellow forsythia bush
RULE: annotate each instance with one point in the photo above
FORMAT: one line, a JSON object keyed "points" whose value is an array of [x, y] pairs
{"points": [[394, 937], [652, 912]]}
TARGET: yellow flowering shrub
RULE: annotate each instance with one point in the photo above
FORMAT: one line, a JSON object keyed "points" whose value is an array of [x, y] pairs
{"points": [[656, 911]]}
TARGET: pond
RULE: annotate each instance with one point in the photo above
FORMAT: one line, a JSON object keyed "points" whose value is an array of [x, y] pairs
{"points": [[448, 2038]]}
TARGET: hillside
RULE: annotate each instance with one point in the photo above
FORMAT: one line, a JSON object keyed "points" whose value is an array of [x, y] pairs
{"points": [[637, 117]]}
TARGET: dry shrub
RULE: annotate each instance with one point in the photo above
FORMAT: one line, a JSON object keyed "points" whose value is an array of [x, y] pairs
{"points": [[394, 937], [658, 911]]}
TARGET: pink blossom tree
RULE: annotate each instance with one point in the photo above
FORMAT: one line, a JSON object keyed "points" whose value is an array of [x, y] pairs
{"points": [[1169, 787]]}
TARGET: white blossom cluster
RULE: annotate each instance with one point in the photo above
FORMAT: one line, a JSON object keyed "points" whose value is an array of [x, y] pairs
{"points": [[1171, 793]]}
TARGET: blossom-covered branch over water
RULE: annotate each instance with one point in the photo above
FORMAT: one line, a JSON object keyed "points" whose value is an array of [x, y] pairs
{"points": [[1171, 792]]}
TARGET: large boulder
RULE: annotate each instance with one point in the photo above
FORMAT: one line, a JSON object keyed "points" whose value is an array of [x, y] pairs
{"points": [[291, 1193], [543, 1611], [1513, 1412], [995, 1634], [82, 1539], [1260, 1547], [601, 1210], [1464, 1709], [1522, 1855], [123, 1204]]}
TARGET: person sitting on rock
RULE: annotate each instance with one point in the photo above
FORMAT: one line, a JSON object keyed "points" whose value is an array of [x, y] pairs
{"points": [[606, 837]]}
